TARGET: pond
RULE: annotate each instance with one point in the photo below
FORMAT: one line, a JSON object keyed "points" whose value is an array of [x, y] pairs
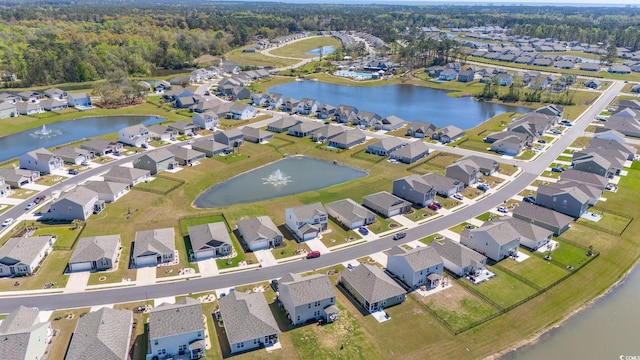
{"points": [[407, 102], [51, 135], [285, 177], [324, 50]]}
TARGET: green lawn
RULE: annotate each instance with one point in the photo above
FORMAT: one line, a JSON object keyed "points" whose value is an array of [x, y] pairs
{"points": [[436, 162], [567, 254], [67, 234], [535, 269], [609, 221], [51, 272], [429, 239], [382, 225], [487, 216], [257, 59], [458, 228], [299, 48], [159, 185], [290, 248], [503, 289]]}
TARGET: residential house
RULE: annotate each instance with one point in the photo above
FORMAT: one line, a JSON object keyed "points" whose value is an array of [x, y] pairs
{"points": [[17, 178], [24, 336], [609, 135], [185, 156], [273, 100], [107, 191], [41, 160], [421, 266], [307, 106], [350, 214], [495, 240], [307, 221], [459, 259], [136, 135], [410, 153], [100, 147], [96, 253], [210, 105], [232, 138], [30, 96], [543, 217], [444, 186], [156, 161], [596, 180], [448, 134], [465, 171], [256, 135], [143, 86], [485, 166], [606, 141], [366, 119], [593, 162], [185, 102], [248, 321], [385, 146], [161, 132], [241, 112], [177, 330], [161, 85], [153, 247], [72, 155], [307, 298], [504, 79], [416, 189], [593, 83], [5, 189], [508, 142], [259, 233], [29, 108], [8, 110], [23, 255], [419, 129], [283, 124], [620, 69], [79, 99], [326, 133], [208, 120], [209, 147], [385, 204], [209, 240], [183, 127], [240, 93], [626, 122], [532, 236], [388, 123], [344, 113], [304, 128], [348, 139], [466, 76], [127, 175], [371, 288], [447, 75], [569, 201], [325, 111], [55, 93], [102, 334], [79, 203], [54, 104]]}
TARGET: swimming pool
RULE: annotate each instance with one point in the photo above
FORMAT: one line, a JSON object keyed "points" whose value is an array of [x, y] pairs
{"points": [[85, 107], [355, 74]]}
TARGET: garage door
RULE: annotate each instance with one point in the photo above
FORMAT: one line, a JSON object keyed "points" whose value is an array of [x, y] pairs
{"points": [[394, 212], [310, 235], [261, 244], [146, 261], [205, 254], [85, 266], [357, 224]]}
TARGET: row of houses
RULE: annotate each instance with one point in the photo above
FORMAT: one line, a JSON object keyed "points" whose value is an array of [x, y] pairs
{"points": [[36, 103], [626, 118]]}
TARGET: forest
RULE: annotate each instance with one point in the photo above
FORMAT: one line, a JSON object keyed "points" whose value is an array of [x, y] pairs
{"points": [[64, 41]]}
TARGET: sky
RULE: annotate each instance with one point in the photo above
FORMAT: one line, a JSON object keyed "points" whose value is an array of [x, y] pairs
{"points": [[466, 2]]}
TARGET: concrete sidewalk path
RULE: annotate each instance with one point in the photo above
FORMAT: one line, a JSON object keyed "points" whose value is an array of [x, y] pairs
{"points": [[77, 281]]}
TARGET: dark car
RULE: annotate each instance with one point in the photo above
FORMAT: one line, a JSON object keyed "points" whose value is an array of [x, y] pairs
{"points": [[400, 235], [313, 254], [363, 230], [73, 172], [530, 199], [557, 169], [39, 199], [483, 187], [542, 141]]}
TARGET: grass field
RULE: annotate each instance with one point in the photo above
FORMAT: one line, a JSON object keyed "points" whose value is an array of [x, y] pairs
{"points": [[160, 185], [299, 48], [503, 289], [540, 272], [257, 59]]}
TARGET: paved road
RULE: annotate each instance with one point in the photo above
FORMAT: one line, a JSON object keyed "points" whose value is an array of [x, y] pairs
{"points": [[136, 293]]}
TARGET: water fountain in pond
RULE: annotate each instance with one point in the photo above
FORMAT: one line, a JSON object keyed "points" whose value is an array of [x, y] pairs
{"points": [[45, 133], [277, 178]]}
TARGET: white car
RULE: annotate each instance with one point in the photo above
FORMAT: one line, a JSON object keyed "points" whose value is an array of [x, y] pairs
{"points": [[503, 209], [7, 222]]}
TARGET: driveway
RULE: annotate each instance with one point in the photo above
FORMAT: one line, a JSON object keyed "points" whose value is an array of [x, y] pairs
{"points": [[77, 281], [146, 275], [208, 267], [265, 258], [317, 245]]}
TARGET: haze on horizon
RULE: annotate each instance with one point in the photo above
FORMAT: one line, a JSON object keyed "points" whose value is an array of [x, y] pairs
{"points": [[604, 3]]}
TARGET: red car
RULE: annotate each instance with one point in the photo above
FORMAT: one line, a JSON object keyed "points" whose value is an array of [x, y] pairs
{"points": [[313, 254], [433, 207]]}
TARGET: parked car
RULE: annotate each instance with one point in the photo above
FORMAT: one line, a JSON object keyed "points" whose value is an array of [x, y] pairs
{"points": [[503, 209], [433, 207], [557, 169], [437, 203], [556, 131], [73, 172], [85, 163], [458, 196], [117, 153], [7, 222], [313, 254], [541, 141], [530, 199], [483, 187], [399, 235], [363, 230]]}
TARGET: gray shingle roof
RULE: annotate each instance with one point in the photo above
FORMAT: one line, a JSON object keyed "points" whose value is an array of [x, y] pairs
{"points": [[123, 172], [585, 177], [542, 215], [80, 195], [185, 153], [416, 183], [419, 258], [19, 320], [246, 316], [173, 319], [258, 228], [388, 143], [157, 241], [328, 131], [207, 236], [94, 248], [70, 152], [255, 132], [308, 211], [41, 154], [307, 289], [159, 155], [349, 137], [284, 122], [372, 283], [385, 200], [412, 150], [526, 229], [457, 253], [349, 209], [440, 182], [15, 332], [22, 249], [101, 335], [573, 191], [501, 232], [105, 187]]}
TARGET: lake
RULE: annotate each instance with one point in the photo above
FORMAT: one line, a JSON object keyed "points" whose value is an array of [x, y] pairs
{"points": [[12, 146], [407, 102], [605, 330], [285, 177]]}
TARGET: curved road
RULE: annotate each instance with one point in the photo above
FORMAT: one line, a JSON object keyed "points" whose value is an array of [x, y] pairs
{"points": [[137, 293]]}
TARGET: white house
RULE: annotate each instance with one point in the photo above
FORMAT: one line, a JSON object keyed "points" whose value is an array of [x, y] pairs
{"points": [[177, 329], [80, 99], [421, 266], [307, 298], [495, 240], [41, 160], [21, 256], [136, 135], [24, 335], [307, 221], [208, 120]]}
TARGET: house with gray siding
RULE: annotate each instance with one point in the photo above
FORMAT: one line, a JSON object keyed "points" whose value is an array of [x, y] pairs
{"points": [[304, 128], [127, 175], [17, 178], [185, 156], [594, 163], [153, 247], [22, 256], [385, 146], [419, 129], [177, 330], [485, 166], [348, 139], [385, 204], [248, 321], [495, 240], [543, 217], [447, 134], [156, 161], [306, 222], [388, 123], [350, 214], [79, 203], [460, 259], [96, 253], [307, 298], [183, 127], [283, 124], [410, 153], [443, 185], [72, 155], [41, 160], [232, 138], [416, 189], [210, 147], [326, 133], [259, 233], [371, 288], [24, 336], [100, 147], [102, 334], [421, 266], [570, 201], [532, 236], [256, 135], [585, 177], [136, 135], [209, 240], [463, 171]]}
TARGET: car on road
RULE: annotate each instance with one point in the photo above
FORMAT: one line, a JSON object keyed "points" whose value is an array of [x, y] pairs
{"points": [[7, 222], [433, 207], [29, 206], [39, 199], [73, 172], [529, 199], [557, 169], [313, 254], [503, 209], [363, 230], [458, 196], [399, 235]]}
